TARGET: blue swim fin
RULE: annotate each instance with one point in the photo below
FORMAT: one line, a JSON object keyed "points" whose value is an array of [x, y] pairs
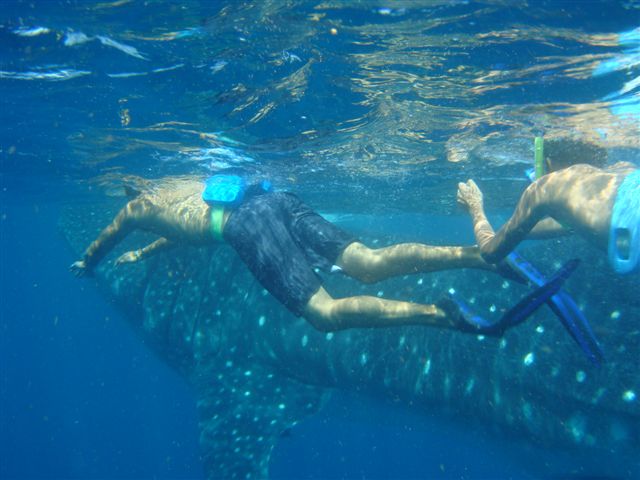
{"points": [[462, 316], [565, 309], [466, 320], [530, 303]]}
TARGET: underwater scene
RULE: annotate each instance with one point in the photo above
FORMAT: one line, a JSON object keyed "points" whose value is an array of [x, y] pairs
{"points": [[320, 239]]}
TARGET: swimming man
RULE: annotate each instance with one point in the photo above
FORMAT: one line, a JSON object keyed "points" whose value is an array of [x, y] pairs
{"points": [[597, 202], [282, 241]]}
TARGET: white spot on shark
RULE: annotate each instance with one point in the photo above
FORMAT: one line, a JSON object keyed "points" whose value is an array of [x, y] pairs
{"points": [[363, 359], [469, 387], [427, 367], [529, 358], [578, 425]]}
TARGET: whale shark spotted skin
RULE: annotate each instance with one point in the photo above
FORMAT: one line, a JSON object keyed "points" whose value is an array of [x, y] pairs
{"points": [[256, 370]]}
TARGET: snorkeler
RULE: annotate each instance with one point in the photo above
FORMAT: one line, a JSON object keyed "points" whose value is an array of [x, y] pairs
{"points": [[579, 195], [282, 241]]}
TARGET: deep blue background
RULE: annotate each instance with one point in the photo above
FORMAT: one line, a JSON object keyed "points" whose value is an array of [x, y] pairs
{"points": [[80, 395]]}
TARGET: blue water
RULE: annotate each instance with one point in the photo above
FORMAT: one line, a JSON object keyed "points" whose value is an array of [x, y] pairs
{"points": [[385, 117]]}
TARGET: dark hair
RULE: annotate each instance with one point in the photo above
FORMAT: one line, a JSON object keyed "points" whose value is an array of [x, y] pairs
{"points": [[563, 152], [255, 188]]}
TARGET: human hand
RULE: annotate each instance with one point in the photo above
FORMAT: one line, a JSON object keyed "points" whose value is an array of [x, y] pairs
{"points": [[128, 257], [470, 196], [79, 268]]}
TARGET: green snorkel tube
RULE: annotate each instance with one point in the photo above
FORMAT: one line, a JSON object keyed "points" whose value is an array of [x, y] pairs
{"points": [[538, 145], [538, 169]]}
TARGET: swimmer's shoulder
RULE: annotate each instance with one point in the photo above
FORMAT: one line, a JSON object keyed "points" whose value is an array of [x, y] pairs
{"points": [[579, 171], [623, 168]]}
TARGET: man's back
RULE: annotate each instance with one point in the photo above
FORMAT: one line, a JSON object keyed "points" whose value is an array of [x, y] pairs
{"points": [[582, 197], [174, 209]]}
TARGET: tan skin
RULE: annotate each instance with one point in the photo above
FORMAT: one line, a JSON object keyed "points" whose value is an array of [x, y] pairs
{"points": [[178, 215], [579, 198]]}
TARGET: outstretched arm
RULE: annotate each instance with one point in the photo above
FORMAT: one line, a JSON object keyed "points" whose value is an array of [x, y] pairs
{"points": [[121, 226], [495, 246], [160, 245]]}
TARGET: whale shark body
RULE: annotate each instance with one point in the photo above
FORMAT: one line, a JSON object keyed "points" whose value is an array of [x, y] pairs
{"points": [[256, 370]]}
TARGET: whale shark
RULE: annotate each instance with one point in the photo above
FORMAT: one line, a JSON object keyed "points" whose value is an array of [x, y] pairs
{"points": [[256, 370]]}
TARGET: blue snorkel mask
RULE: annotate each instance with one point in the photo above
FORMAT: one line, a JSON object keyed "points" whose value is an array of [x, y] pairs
{"points": [[230, 190]]}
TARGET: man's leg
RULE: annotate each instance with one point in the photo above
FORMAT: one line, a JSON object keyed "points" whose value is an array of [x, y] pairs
{"points": [[328, 314], [372, 265]]}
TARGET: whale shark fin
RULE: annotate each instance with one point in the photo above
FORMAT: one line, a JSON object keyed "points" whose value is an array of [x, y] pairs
{"points": [[243, 410]]}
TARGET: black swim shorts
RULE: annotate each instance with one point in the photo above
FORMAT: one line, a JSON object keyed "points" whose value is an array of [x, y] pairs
{"points": [[282, 241]]}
